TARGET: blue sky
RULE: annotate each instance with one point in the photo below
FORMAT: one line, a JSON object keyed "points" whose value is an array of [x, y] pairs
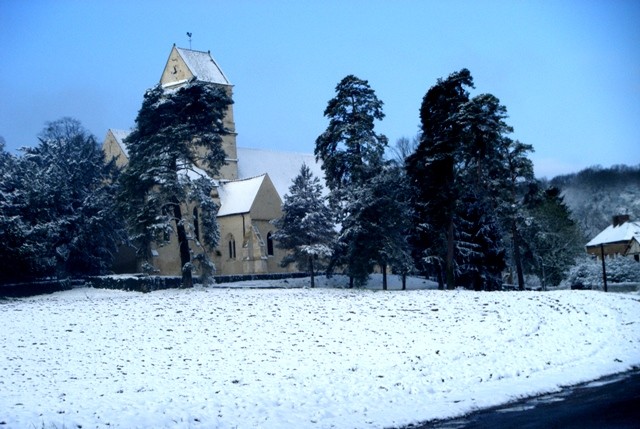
{"points": [[567, 71]]}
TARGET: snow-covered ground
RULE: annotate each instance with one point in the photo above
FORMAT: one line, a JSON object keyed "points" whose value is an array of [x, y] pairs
{"points": [[298, 358]]}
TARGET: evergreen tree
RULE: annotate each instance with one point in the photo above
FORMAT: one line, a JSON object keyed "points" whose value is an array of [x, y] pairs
{"points": [[432, 174], [176, 132], [352, 155], [462, 173], [520, 176], [481, 177], [553, 239], [17, 255], [387, 201], [306, 227], [350, 149], [58, 216]]}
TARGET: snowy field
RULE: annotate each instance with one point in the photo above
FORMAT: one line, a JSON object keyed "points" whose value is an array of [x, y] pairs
{"points": [[298, 358]]}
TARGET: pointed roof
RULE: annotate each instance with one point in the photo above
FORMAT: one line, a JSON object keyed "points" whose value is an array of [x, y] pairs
{"points": [[203, 66], [237, 196], [617, 234], [119, 136]]}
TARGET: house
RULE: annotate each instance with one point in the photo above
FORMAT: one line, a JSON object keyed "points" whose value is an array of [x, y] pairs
{"points": [[249, 189], [622, 238]]}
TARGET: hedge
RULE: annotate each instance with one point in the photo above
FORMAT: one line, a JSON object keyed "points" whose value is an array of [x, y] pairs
{"points": [[40, 287], [130, 282]]}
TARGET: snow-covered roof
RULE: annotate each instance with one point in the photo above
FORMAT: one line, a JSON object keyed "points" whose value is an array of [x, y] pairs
{"points": [[237, 196], [203, 66], [282, 167], [616, 234], [120, 135]]}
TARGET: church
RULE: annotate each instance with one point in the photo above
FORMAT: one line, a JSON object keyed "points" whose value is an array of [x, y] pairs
{"points": [[250, 187]]}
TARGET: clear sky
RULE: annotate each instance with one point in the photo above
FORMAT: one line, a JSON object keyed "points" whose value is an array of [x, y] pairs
{"points": [[567, 71]]}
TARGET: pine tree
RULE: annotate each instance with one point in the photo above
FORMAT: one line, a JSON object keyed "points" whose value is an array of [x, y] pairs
{"points": [[432, 173], [177, 133], [306, 227], [461, 173], [385, 218], [512, 212], [352, 155], [350, 149], [553, 239], [480, 174]]}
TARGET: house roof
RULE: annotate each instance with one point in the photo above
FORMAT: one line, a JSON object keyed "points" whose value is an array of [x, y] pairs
{"points": [[237, 196], [617, 234], [203, 66]]}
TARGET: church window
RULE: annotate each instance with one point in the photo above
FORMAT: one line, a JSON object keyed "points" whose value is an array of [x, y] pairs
{"points": [[232, 247], [269, 244]]}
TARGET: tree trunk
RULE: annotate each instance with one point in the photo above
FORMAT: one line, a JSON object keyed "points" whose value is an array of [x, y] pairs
{"points": [[313, 282], [384, 276], [516, 255], [450, 252], [439, 276], [183, 243], [404, 281]]}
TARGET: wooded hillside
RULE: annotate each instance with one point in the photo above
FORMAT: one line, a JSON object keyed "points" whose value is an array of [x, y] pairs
{"points": [[596, 194]]}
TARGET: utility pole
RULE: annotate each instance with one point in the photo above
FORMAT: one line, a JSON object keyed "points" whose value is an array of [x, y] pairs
{"points": [[604, 268]]}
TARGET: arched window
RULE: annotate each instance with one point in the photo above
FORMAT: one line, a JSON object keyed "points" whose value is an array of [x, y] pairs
{"points": [[196, 223], [232, 247], [269, 244]]}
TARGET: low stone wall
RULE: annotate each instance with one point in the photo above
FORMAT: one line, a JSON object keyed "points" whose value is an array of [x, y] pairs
{"points": [[248, 277], [144, 283], [135, 283], [128, 282]]}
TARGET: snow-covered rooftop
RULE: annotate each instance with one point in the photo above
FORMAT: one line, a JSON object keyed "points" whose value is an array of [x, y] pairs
{"points": [[615, 234], [237, 196], [282, 167], [203, 66]]}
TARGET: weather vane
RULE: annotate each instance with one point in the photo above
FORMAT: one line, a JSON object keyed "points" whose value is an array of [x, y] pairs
{"points": [[189, 34]]}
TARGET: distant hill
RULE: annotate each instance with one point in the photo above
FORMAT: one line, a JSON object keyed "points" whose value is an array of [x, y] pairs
{"points": [[596, 194]]}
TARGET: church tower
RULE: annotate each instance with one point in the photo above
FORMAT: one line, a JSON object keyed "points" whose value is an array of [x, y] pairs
{"points": [[184, 65]]}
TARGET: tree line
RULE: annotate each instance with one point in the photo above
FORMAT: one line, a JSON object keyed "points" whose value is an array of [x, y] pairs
{"points": [[57, 211], [459, 202]]}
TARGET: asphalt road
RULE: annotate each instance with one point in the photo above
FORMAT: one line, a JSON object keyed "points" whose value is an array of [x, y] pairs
{"points": [[611, 402]]}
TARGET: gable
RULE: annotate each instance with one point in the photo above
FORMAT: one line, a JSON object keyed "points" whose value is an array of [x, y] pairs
{"points": [[186, 64], [176, 70], [114, 147], [267, 205]]}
